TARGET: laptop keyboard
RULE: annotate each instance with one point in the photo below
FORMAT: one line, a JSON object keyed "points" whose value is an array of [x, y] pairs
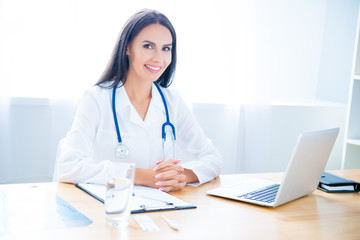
{"points": [[266, 194]]}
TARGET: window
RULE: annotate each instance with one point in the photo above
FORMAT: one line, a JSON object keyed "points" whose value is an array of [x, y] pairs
{"points": [[232, 51]]}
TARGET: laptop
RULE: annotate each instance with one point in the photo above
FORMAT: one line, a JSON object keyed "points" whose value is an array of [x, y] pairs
{"points": [[302, 176]]}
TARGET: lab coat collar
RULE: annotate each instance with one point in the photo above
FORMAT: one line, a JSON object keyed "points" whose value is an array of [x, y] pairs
{"points": [[156, 104], [122, 99], [123, 103], [156, 98]]}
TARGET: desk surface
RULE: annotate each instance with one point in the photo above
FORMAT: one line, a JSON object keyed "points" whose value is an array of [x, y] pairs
{"points": [[317, 216]]}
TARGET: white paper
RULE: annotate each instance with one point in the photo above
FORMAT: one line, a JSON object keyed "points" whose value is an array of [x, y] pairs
{"points": [[143, 197], [338, 188]]}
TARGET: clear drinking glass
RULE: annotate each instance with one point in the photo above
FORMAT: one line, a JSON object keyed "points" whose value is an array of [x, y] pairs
{"points": [[119, 187]]}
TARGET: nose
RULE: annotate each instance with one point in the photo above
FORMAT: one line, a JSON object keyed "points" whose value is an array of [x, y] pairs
{"points": [[157, 57]]}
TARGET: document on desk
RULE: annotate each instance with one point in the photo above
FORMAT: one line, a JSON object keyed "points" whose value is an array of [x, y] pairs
{"points": [[144, 199]]}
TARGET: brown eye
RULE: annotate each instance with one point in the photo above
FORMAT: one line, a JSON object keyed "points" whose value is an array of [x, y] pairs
{"points": [[148, 46]]}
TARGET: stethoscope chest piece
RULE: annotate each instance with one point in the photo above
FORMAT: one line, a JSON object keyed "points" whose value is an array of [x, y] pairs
{"points": [[121, 150]]}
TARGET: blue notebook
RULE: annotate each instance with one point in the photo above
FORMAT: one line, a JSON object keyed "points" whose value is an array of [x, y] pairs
{"points": [[335, 184]]}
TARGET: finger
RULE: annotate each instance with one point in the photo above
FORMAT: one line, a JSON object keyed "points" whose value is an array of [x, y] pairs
{"points": [[167, 163], [170, 172], [172, 184], [174, 169], [170, 180], [178, 186], [175, 161], [161, 164], [167, 175]]}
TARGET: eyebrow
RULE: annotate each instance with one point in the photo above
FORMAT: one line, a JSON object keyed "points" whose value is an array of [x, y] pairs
{"points": [[150, 42]]}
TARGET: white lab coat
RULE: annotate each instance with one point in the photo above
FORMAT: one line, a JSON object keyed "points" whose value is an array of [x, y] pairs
{"points": [[90, 143]]}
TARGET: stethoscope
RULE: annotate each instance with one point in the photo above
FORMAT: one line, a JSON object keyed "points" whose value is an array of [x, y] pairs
{"points": [[121, 150]]}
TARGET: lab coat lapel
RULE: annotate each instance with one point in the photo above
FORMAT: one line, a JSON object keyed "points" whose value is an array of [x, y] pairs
{"points": [[155, 113], [156, 109], [135, 117], [124, 107]]}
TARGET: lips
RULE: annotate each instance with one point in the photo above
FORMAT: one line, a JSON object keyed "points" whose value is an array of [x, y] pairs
{"points": [[153, 69]]}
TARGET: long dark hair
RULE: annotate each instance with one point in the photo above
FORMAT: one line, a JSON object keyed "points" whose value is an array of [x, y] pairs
{"points": [[118, 65]]}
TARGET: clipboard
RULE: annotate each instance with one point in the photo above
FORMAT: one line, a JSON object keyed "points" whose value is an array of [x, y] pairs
{"points": [[144, 199], [335, 184]]}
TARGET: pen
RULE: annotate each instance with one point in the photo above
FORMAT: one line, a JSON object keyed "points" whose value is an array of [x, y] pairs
{"points": [[171, 223]]}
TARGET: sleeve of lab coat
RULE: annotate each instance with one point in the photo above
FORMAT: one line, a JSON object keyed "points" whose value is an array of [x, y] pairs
{"points": [[74, 162], [206, 161]]}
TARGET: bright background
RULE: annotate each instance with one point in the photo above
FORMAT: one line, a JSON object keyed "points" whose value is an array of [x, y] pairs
{"points": [[263, 70], [234, 51]]}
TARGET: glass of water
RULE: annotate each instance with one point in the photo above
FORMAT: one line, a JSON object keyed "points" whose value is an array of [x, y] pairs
{"points": [[119, 187]]}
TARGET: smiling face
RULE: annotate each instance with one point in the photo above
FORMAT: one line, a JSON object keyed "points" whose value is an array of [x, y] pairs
{"points": [[149, 53]]}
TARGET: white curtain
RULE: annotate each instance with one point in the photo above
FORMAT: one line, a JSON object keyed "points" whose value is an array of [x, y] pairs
{"points": [[5, 160]]}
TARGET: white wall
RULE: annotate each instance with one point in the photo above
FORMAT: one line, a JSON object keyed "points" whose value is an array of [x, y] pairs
{"points": [[255, 138], [338, 44], [251, 138], [30, 131]]}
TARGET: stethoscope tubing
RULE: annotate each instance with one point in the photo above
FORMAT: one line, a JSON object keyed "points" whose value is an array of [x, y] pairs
{"points": [[167, 123], [114, 115]]}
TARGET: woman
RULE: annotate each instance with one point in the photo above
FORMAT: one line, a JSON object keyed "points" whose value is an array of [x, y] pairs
{"points": [[121, 118]]}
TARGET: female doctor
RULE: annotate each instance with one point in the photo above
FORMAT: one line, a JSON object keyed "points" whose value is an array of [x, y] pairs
{"points": [[130, 115]]}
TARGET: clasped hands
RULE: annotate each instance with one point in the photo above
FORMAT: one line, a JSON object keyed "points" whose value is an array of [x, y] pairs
{"points": [[166, 175], [169, 175]]}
